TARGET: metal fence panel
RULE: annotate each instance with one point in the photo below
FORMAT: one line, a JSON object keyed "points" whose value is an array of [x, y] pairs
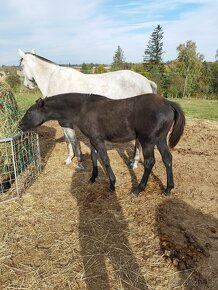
{"points": [[19, 164]]}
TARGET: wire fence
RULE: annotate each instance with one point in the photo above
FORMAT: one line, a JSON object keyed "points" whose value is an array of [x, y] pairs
{"points": [[19, 164], [9, 112]]}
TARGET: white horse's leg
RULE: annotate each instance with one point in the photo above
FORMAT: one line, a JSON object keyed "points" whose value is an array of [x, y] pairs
{"points": [[70, 152], [134, 162], [73, 148]]}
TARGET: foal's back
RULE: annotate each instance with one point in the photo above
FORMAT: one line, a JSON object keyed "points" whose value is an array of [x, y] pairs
{"points": [[123, 120]]}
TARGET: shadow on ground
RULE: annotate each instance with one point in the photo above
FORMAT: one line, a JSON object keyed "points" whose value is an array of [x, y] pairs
{"points": [[103, 235], [46, 142]]}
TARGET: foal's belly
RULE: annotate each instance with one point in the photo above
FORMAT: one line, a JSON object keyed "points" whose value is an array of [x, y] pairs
{"points": [[120, 138]]}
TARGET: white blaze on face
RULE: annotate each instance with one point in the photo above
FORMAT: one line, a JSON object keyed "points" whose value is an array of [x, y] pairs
{"points": [[28, 78]]}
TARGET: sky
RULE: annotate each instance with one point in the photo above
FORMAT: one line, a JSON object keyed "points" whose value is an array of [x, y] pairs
{"points": [[77, 31]]}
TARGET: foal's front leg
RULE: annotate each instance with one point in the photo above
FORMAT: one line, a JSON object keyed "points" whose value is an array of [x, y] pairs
{"points": [[100, 147], [137, 149]]}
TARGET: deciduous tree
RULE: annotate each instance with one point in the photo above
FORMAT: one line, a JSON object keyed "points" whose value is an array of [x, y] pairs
{"points": [[189, 64], [100, 69]]}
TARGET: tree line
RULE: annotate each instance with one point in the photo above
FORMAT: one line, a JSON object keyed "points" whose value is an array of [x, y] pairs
{"points": [[189, 75]]}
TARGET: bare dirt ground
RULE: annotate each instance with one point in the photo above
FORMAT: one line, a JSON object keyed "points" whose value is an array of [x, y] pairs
{"points": [[65, 233]]}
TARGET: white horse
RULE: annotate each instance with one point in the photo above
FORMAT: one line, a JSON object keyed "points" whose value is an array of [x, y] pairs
{"points": [[53, 79]]}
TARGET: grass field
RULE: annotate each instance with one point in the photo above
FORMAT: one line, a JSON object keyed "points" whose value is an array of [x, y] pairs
{"points": [[199, 108], [194, 108], [26, 99]]}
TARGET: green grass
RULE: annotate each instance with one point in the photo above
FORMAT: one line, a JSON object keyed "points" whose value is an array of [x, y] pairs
{"points": [[199, 108], [26, 99], [193, 108]]}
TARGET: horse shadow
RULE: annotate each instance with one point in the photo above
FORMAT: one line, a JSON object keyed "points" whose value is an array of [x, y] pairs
{"points": [[189, 239], [105, 250], [47, 142]]}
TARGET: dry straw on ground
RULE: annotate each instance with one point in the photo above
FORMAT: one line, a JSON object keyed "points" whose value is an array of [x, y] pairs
{"points": [[65, 233]]}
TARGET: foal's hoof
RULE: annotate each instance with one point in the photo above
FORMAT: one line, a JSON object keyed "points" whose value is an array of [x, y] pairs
{"points": [[134, 194], [79, 168], [138, 190], [112, 188], [92, 179], [132, 164], [167, 191]]}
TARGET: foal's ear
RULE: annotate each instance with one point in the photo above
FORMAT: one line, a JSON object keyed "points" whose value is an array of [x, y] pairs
{"points": [[40, 102]]}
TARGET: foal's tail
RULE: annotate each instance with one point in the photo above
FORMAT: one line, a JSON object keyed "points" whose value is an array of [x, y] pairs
{"points": [[178, 126]]}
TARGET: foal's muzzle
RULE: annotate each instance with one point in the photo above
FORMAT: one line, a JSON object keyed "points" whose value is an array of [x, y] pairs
{"points": [[22, 127]]}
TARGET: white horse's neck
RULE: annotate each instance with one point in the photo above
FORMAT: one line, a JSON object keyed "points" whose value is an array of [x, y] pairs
{"points": [[42, 71]]}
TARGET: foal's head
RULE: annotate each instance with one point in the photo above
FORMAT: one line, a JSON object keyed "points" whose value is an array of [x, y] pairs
{"points": [[34, 116]]}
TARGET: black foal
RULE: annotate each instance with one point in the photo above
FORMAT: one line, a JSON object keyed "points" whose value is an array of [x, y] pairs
{"points": [[148, 118]]}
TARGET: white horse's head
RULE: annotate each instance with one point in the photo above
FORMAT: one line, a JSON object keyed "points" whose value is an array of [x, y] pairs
{"points": [[29, 80]]}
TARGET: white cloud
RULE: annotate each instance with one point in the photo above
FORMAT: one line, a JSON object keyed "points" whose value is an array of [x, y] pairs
{"points": [[80, 30], [200, 26]]}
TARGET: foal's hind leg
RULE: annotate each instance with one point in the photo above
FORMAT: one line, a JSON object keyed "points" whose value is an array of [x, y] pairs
{"points": [[100, 147], [94, 164], [134, 162], [149, 161], [167, 160]]}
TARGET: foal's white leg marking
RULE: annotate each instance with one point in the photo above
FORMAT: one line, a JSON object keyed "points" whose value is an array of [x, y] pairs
{"points": [[73, 148], [136, 158]]}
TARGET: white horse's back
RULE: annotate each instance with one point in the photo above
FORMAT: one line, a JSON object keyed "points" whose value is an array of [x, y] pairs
{"points": [[115, 85], [53, 79]]}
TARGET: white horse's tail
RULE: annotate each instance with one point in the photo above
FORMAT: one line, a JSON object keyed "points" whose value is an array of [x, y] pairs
{"points": [[154, 87]]}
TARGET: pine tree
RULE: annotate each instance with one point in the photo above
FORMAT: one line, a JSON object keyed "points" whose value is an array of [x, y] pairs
{"points": [[118, 60], [154, 51]]}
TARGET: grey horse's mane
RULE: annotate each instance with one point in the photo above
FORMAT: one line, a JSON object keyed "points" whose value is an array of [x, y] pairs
{"points": [[38, 56]]}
